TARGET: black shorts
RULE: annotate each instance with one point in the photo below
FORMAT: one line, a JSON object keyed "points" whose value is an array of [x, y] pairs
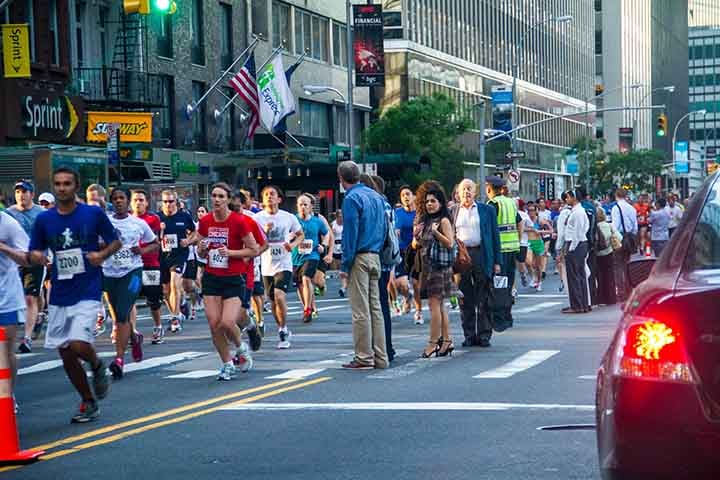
{"points": [[407, 266], [166, 269], [280, 281], [522, 254], [32, 279], [191, 268], [307, 269], [122, 292], [225, 287], [151, 287], [322, 266], [258, 289]]}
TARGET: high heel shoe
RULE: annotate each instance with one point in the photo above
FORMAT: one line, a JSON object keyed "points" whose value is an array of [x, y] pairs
{"points": [[448, 350], [434, 351]]}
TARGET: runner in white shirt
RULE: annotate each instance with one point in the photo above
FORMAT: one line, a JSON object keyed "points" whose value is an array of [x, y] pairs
{"points": [[337, 230], [522, 262], [258, 289], [122, 275], [284, 233]]}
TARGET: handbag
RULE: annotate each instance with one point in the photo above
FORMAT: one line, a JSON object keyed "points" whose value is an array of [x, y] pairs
{"points": [[628, 240], [501, 301], [442, 257], [463, 262]]}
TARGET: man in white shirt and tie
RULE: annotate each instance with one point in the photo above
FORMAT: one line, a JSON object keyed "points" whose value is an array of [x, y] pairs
{"points": [[624, 220], [575, 252]]}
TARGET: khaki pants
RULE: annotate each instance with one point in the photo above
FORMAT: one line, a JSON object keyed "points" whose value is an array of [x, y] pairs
{"points": [[368, 326]]}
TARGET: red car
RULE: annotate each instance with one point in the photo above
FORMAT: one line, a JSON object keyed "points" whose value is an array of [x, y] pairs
{"points": [[658, 387]]}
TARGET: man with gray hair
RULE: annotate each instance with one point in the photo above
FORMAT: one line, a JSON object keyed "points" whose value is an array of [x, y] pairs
{"points": [[362, 242]]}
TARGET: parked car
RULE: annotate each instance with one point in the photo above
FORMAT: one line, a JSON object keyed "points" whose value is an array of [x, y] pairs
{"points": [[658, 387]]}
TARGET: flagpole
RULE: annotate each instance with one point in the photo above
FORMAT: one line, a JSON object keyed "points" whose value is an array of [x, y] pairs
{"points": [[194, 105], [247, 114], [272, 55]]}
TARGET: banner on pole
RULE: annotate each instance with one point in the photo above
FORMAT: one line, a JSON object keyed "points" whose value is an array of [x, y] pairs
{"points": [[625, 139], [276, 99], [368, 45], [682, 159], [502, 102]]}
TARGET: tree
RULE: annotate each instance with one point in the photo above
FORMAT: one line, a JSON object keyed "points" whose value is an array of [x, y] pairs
{"points": [[427, 128], [635, 170]]}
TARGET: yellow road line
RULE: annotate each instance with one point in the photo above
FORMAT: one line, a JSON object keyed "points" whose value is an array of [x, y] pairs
{"points": [[153, 426]]}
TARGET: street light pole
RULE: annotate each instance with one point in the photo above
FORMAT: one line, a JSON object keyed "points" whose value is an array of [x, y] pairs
{"points": [[481, 167], [674, 138], [350, 99], [667, 88]]}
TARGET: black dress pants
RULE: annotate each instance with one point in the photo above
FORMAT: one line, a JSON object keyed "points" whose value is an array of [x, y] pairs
{"points": [[475, 304]]}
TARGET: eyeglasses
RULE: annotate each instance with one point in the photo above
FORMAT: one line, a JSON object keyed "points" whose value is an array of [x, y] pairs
{"points": [[168, 201]]}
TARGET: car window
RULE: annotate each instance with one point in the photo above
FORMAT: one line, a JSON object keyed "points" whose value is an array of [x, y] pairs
{"points": [[704, 251]]}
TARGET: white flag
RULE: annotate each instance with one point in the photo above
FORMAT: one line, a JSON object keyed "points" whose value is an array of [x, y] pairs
{"points": [[276, 99]]}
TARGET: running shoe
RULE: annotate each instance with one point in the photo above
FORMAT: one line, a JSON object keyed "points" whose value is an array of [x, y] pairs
{"points": [[185, 309], [200, 306], [227, 371], [136, 340], [261, 329], [243, 359], [266, 307], [175, 325], [254, 336], [454, 302], [39, 324], [87, 412], [101, 385], [539, 287], [561, 288], [100, 324], [25, 346], [192, 313], [307, 315], [315, 315], [419, 318], [284, 336], [116, 368], [158, 335], [317, 292], [341, 293]]}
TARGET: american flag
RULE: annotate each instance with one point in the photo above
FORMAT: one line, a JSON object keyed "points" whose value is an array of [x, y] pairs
{"points": [[245, 85]]}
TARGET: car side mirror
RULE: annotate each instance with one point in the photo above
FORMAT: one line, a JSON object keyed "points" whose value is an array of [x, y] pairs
{"points": [[638, 270]]}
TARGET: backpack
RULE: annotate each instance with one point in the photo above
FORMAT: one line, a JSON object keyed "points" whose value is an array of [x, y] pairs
{"points": [[390, 254]]}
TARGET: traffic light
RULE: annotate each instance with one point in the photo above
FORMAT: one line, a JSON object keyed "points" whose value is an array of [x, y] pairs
{"points": [[144, 7], [164, 6], [661, 129]]}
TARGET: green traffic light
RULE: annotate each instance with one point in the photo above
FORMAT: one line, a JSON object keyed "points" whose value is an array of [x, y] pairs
{"points": [[162, 5], [661, 133]]}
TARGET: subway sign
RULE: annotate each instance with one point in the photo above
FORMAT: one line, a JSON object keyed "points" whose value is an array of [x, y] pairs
{"points": [[46, 117], [135, 127]]}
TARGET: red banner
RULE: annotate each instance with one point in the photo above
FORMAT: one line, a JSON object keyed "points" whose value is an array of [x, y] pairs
{"points": [[368, 45]]}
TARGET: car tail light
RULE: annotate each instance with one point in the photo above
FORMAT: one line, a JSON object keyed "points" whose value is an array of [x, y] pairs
{"points": [[652, 350]]}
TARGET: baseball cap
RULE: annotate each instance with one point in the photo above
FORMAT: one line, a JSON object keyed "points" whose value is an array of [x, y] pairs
{"points": [[25, 185], [495, 181], [46, 197]]}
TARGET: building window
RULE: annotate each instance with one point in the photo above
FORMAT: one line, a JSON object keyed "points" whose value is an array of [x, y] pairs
{"points": [[165, 37], [197, 42], [228, 126], [226, 35], [198, 118], [340, 126], [339, 33], [30, 20], [259, 18], [314, 119], [281, 24], [103, 18], [167, 119], [54, 40], [311, 35]]}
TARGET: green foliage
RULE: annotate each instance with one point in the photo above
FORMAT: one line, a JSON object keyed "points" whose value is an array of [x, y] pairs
{"points": [[636, 170], [426, 127]]}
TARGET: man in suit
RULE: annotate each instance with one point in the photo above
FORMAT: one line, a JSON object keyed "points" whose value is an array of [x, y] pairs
{"points": [[476, 227]]}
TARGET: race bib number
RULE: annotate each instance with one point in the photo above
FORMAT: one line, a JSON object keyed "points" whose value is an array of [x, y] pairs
{"points": [[169, 242], [337, 248], [69, 263], [122, 258], [305, 247], [277, 251], [216, 260], [151, 278], [500, 281]]}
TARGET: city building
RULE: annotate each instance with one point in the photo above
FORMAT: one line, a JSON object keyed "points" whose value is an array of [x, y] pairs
{"points": [[465, 48]]}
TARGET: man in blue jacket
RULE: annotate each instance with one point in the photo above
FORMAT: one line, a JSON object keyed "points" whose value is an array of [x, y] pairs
{"points": [[476, 227], [362, 241]]}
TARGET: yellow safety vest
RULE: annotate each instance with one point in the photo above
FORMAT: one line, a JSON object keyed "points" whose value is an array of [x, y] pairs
{"points": [[507, 224]]}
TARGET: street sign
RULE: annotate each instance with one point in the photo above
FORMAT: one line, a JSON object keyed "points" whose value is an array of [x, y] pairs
{"points": [[113, 134], [549, 187], [16, 50], [514, 155], [513, 177]]}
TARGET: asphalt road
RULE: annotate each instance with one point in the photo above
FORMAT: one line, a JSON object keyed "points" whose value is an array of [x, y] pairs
{"points": [[298, 415]]}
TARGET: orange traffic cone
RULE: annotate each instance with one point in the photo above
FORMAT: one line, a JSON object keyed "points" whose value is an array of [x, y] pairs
{"points": [[648, 249], [10, 452]]}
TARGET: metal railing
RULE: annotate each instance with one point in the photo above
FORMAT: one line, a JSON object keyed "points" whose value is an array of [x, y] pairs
{"points": [[117, 86]]}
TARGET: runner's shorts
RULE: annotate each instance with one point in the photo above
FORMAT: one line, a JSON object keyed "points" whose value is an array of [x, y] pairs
{"points": [[537, 247], [322, 266], [121, 293], [191, 268], [224, 287], [32, 279], [401, 268], [166, 268], [151, 287], [10, 319], [280, 281], [258, 289], [71, 323], [307, 269]]}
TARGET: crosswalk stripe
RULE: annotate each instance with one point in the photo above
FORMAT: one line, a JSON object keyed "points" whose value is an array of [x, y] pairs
{"points": [[521, 363], [51, 364], [587, 377], [412, 406], [165, 360], [411, 368], [537, 307], [195, 374], [297, 373]]}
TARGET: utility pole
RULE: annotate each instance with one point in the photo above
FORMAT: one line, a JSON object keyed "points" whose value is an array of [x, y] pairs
{"points": [[481, 169], [350, 61]]}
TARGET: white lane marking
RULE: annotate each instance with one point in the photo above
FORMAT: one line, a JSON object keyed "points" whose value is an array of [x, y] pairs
{"points": [[166, 360], [410, 406], [411, 367], [535, 308], [326, 300], [195, 374], [298, 373], [51, 364], [25, 356], [521, 363], [542, 295], [322, 309], [587, 377]]}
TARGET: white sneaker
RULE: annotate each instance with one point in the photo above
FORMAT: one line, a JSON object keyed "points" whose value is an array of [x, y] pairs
{"points": [[284, 336], [539, 287], [227, 371], [243, 359], [419, 320]]}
